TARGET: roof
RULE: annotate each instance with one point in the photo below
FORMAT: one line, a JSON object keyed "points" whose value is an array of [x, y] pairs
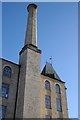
{"points": [[9, 61], [49, 71]]}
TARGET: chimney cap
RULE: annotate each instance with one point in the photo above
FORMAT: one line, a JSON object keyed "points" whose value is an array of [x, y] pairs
{"points": [[32, 5]]}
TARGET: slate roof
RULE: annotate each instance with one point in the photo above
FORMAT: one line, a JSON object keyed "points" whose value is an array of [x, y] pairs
{"points": [[49, 71]]}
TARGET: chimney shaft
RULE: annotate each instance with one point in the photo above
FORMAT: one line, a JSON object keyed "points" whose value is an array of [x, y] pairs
{"points": [[31, 31]]}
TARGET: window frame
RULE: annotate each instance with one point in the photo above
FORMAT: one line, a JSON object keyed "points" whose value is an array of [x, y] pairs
{"points": [[48, 100], [58, 104], [47, 85], [2, 113], [47, 117], [7, 71], [57, 89], [6, 93]]}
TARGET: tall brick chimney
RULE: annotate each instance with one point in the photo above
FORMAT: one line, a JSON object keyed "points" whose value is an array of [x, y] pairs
{"points": [[28, 100], [31, 31]]}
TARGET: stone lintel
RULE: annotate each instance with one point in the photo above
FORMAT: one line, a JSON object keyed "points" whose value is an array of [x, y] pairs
{"points": [[30, 46]]}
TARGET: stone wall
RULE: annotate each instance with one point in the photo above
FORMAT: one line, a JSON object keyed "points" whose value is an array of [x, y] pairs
{"points": [[28, 103], [12, 82], [53, 111]]}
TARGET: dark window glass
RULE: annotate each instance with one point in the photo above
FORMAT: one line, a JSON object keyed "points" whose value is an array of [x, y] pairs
{"points": [[7, 71], [47, 85], [57, 88], [58, 104], [48, 101], [4, 90], [48, 117], [2, 111]]}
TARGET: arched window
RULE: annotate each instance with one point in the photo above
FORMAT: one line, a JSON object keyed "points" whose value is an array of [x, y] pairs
{"points": [[47, 85], [57, 88], [7, 71]]}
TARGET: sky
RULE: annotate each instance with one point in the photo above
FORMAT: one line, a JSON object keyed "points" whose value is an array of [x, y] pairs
{"points": [[57, 33]]}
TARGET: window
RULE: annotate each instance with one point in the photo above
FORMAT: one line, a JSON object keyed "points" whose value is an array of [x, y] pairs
{"points": [[2, 111], [4, 90], [48, 117], [61, 119], [48, 101], [58, 104], [57, 88], [7, 71], [47, 85]]}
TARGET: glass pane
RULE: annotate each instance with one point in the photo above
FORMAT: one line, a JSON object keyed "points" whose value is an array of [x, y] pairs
{"points": [[57, 88], [47, 101], [58, 102], [7, 71], [5, 90], [48, 117], [47, 85], [2, 112]]}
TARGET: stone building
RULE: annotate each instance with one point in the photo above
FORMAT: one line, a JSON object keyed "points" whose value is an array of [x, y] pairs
{"points": [[25, 92]]}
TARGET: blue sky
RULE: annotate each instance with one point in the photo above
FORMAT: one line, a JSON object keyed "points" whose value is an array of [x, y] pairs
{"points": [[57, 37]]}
